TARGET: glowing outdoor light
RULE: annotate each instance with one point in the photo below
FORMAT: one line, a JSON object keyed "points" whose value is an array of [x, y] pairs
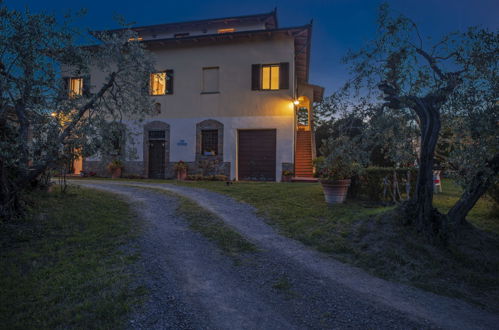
{"points": [[296, 102], [53, 114]]}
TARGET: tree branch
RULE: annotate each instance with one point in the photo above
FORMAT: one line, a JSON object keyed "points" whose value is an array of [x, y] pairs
{"points": [[49, 158], [433, 64]]}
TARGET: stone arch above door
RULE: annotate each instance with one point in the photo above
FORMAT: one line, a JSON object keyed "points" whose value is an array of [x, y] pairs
{"points": [[156, 126]]}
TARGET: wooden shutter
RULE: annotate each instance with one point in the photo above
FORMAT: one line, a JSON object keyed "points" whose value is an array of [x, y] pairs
{"points": [[169, 81], [255, 76], [65, 88], [284, 75], [86, 86]]}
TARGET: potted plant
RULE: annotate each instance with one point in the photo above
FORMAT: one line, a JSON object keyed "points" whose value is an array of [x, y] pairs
{"points": [[287, 175], [334, 173], [181, 170], [116, 167]]}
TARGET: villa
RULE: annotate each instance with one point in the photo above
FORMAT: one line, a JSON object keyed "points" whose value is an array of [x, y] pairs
{"points": [[231, 96]]}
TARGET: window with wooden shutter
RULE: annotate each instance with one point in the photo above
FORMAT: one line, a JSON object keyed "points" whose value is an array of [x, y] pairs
{"points": [[270, 76]]}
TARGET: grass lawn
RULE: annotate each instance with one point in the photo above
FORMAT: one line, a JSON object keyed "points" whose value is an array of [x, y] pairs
{"points": [[360, 234], [366, 236], [68, 265]]}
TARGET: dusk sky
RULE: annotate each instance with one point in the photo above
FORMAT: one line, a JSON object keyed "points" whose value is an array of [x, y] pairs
{"points": [[339, 25]]}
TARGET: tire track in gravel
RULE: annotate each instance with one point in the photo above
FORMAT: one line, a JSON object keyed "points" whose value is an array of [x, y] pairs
{"points": [[319, 292]]}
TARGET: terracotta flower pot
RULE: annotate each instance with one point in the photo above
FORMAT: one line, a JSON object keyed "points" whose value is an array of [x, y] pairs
{"points": [[116, 173], [181, 174], [335, 191]]}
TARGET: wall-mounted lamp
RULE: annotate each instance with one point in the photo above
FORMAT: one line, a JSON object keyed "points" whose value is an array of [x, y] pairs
{"points": [[296, 102]]}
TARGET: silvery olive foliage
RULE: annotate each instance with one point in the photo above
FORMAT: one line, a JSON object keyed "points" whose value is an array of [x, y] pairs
{"points": [[39, 123], [414, 95]]}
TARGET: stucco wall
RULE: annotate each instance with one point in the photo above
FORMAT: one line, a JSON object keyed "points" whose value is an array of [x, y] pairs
{"points": [[234, 61], [236, 106]]}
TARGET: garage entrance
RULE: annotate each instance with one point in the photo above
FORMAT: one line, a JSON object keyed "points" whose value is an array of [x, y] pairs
{"points": [[257, 155]]}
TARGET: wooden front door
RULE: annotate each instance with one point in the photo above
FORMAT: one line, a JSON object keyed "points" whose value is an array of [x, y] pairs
{"points": [[257, 155], [156, 159]]}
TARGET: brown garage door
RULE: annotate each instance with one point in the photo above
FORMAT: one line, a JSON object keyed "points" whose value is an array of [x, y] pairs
{"points": [[256, 154]]}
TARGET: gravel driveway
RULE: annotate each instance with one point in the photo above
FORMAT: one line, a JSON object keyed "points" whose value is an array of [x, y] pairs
{"points": [[284, 285]]}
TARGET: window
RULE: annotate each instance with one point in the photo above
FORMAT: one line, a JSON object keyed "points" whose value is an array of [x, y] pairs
{"points": [[209, 142], [75, 87], [158, 83], [161, 83], [210, 80], [228, 30], [156, 135], [270, 77], [135, 39]]}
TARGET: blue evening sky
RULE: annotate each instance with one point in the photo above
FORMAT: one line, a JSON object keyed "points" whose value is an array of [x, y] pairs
{"points": [[339, 25]]}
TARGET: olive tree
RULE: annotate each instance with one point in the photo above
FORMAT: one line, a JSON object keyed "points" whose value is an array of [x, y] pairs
{"points": [[40, 121], [404, 84]]}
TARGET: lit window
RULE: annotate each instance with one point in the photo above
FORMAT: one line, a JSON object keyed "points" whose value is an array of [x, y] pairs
{"points": [[75, 87], [209, 142], [270, 77], [228, 30], [158, 83], [135, 39]]}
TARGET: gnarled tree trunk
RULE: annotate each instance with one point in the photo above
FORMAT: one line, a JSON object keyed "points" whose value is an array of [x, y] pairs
{"points": [[426, 217], [478, 186]]}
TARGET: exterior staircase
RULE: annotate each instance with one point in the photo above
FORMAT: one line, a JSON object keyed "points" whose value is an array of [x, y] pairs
{"points": [[303, 155]]}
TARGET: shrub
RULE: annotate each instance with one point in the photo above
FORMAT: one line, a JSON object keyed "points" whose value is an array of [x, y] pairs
{"points": [[132, 176], [219, 177], [493, 193], [199, 177], [377, 183], [195, 177], [335, 167], [180, 166]]}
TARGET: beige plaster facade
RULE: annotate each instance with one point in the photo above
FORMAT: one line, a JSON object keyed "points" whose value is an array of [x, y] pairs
{"points": [[235, 105]]}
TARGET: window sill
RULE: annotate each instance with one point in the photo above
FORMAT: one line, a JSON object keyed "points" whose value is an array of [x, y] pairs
{"points": [[210, 93]]}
